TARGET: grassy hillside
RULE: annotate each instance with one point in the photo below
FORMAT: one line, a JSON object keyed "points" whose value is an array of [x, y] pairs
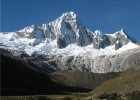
{"points": [[76, 78], [126, 83]]}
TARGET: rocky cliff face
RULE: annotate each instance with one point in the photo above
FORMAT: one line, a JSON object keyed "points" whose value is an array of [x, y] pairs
{"points": [[68, 29], [101, 64]]}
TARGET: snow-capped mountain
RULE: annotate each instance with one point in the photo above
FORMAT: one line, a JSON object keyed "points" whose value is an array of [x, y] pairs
{"points": [[65, 56], [65, 30], [66, 35]]}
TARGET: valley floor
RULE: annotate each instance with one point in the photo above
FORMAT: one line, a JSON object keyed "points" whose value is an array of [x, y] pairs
{"points": [[135, 95], [47, 97]]}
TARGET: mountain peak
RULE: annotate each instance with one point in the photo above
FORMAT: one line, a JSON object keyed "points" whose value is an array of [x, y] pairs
{"points": [[69, 17], [28, 29], [70, 14], [98, 32], [123, 31]]}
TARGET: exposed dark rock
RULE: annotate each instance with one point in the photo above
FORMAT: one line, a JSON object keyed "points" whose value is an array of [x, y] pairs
{"points": [[118, 45], [61, 42]]}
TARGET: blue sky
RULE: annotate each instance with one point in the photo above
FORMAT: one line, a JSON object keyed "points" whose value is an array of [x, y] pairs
{"points": [[107, 15]]}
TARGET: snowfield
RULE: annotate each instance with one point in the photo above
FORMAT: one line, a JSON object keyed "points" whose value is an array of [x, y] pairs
{"points": [[14, 42]]}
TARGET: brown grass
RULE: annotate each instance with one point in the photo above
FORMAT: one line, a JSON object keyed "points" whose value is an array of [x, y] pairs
{"points": [[127, 83]]}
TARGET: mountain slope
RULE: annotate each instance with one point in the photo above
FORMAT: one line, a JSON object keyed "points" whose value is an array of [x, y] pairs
{"points": [[19, 77], [100, 64], [125, 83], [81, 79]]}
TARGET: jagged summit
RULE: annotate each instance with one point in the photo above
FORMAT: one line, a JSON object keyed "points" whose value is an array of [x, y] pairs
{"points": [[98, 32], [28, 29], [67, 29], [122, 30], [65, 32], [69, 15]]}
